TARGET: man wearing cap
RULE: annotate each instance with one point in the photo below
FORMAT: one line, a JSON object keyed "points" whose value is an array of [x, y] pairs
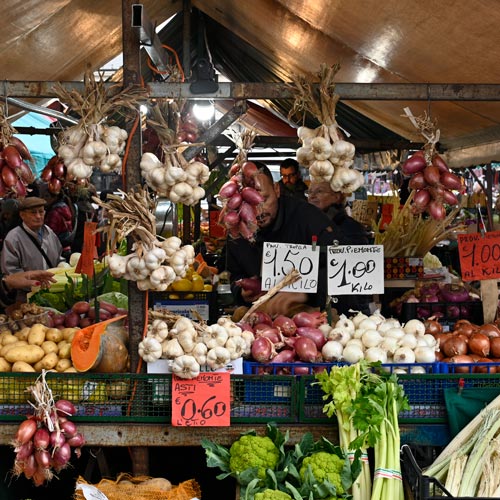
{"points": [[32, 245]]}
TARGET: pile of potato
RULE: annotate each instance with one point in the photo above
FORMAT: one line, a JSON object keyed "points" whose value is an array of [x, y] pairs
{"points": [[35, 348]]}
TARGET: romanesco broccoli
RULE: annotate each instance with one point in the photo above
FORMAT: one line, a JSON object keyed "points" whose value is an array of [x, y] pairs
{"points": [[272, 495], [253, 451], [324, 466]]}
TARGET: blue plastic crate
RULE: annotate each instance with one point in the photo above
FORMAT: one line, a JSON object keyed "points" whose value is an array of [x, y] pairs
{"points": [[267, 390]]}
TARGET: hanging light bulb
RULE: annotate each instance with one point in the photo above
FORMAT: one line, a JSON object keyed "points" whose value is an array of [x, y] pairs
{"points": [[204, 111]]}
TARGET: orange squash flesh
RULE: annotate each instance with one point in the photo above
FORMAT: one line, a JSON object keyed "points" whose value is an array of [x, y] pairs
{"points": [[95, 349]]}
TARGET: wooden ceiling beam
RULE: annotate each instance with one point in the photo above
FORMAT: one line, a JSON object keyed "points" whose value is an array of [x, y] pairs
{"points": [[235, 90]]}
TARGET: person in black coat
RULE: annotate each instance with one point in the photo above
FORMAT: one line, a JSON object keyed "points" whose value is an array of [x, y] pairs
{"points": [[351, 232], [280, 219]]}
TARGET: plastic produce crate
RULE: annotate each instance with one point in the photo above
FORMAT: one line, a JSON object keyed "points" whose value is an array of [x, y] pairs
{"points": [[423, 487]]}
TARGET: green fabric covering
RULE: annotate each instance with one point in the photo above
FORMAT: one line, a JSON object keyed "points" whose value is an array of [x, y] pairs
{"points": [[463, 406]]}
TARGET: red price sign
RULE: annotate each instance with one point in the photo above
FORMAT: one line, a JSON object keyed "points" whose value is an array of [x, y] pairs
{"points": [[201, 402], [479, 255]]}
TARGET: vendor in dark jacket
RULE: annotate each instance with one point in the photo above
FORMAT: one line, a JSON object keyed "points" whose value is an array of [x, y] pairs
{"points": [[280, 219], [291, 183], [333, 204]]}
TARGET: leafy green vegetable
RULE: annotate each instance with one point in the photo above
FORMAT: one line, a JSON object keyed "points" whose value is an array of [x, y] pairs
{"points": [[45, 298], [117, 298]]}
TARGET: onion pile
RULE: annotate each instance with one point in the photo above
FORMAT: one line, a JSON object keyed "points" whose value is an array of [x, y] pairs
{"points": [[468, 344], [15, 173], [440, 300], [44, 441], [433, 183]]}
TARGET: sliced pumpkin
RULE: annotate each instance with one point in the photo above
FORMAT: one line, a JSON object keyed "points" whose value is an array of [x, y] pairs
{"points": [[98, 348]]}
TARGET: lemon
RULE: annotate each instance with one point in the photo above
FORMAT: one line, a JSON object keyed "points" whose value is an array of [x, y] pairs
{"points": [[182, 285], [197, 282], [207, 287]]}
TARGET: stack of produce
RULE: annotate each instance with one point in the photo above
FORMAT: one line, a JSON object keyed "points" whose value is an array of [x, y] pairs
{"points": [[94, 142], [36, 348], [307, 338], [472, 347], [324, 153], [15, 173], [468, 466], [152, 264], [44, 442], [54, 174], [266, 470], [191, 345], [240, 195]]}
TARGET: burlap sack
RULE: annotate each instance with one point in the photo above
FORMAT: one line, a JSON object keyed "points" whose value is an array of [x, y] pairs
{"points": [[127, 487]]}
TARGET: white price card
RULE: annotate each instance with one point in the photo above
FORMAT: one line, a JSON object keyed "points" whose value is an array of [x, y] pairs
{"points": [[355, 269], [91, 492], [279, 259]]}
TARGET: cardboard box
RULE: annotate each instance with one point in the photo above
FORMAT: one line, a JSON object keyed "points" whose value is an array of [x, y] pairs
{"points": [[403, 268]]}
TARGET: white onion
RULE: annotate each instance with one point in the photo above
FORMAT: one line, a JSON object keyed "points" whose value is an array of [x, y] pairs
{"points": [[367, 324], [374, 354], [430, 340], [397, 333], [425, 355], [417, 369], [404, 355], [352, 353], [400, 371], [358, 333], [356, 342], [408, 340], [358, 319], [389, 345], [371, 338], [345, 323], [377, 317], [421, 342], [414, 326], [332, 350], [325, 328], [388, 324], [339, 335]]}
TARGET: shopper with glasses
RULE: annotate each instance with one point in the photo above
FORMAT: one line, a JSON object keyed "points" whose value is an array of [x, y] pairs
{"points": [[32, 245], [291, 183]]}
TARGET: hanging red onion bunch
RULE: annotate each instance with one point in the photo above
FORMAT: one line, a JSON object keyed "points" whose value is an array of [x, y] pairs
{"points": [[15, 172], [44, 441], [54, 174], [433, 183], [240, 200]]}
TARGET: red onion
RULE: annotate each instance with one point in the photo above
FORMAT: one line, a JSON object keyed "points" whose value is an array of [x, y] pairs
{"points": [[284, 356], [41, 439], [251, 196], [231, 219], [252, 284], [245, 230], [301, 370], [306, 349], [249, 169], [40, 475], [451, 181], [57, 439], [417, 181], [415, 163], [234, 202], [429, 298], [312, 320], [62, 455], [262, 349], [479, 344], [421, 199], [25, 432], [449, 197], [438, 162], [314, 334], [454, 293], [246, 212], [260, 317], [24, 451], [245, 326], [453, 312], [228, 189], [69, 429], [272, 334], [431, 175], [42, 458], [65, 408], [285, 325], [29, 466], [76, 441], [436, 210]]}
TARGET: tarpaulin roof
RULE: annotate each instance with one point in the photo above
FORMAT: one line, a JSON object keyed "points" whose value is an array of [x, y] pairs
{"points": [[394, 41]]}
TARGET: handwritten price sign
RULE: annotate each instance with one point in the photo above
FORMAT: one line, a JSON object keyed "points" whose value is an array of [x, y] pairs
{"points": [[201, 402], [355, 270], [479, 256], [279, 259]]}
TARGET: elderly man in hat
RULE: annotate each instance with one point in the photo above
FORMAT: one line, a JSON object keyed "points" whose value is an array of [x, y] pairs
{"points": [[32, 245]]}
